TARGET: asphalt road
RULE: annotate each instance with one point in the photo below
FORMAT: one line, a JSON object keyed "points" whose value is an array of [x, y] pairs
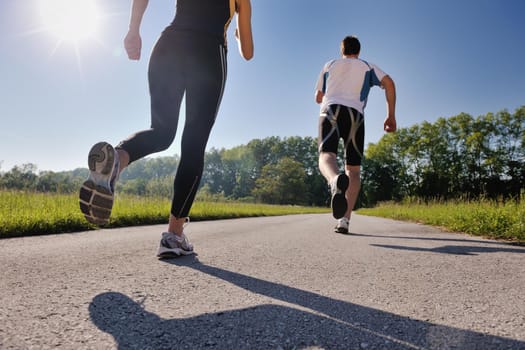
{"points": [[264, 283]]}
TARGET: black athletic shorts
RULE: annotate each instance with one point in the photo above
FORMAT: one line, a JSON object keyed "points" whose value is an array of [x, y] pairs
{"points": [[341, 122]]}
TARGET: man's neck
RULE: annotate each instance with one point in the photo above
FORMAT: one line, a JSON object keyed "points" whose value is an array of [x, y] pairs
{"points": [[350, 56]]}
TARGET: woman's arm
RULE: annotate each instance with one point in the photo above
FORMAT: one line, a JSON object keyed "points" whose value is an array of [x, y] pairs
{"points": [[133, 41], [243, 33]]}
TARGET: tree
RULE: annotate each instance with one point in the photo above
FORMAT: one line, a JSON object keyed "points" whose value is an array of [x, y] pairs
{"points": [[62, 182], [150, 168], [22, 177], [282, 183], [382, 172], [213, 174]]}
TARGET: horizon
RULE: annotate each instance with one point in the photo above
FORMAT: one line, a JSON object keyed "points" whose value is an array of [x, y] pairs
{"points": [[162, 155]]}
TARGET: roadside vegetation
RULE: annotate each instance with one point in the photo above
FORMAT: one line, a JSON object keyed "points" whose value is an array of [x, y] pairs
{"points": [[30, 213], [48, 213], [484, 217]]}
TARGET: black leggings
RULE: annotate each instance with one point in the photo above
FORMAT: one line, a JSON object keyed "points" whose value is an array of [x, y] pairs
{"points": [[182, 63]]}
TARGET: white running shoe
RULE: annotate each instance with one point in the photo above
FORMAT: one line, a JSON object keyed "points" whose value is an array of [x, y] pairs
{"points": [[338, 187], [172, 246], [97, 192], [342, 225]]}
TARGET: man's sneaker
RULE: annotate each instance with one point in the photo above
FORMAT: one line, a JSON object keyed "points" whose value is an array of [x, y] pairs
{"points": [[342, 225], [338, 187], [172, 246], [97, 192]]}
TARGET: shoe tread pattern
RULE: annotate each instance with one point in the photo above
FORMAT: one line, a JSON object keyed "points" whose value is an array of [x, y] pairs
{"points": [[101, 158]]}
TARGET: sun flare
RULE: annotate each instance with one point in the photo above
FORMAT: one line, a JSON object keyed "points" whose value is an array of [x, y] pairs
{"points": [[70, 20]]}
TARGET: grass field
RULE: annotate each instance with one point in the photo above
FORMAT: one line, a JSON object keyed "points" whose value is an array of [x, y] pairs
{"points": [[487, 218], [25, 214]]}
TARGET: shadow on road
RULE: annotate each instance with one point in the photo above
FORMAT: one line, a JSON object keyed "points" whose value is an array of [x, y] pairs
{"points": [[426, 238], [326, 324], [494, 247], [455, 249]]}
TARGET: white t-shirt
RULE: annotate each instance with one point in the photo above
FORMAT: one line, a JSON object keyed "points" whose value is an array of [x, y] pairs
{"points": [[347, 81]]}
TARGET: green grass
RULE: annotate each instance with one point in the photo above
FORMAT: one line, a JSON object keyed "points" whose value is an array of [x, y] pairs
{"points": [[27, 213], [487, 218]]}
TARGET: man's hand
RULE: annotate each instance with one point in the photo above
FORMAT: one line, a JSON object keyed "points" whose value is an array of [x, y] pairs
{"points": [[390, 124], [133, 45], [319, 96]]}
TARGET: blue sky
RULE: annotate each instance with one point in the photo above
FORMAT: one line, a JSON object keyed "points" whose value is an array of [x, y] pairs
{"points": [[57, 98]]}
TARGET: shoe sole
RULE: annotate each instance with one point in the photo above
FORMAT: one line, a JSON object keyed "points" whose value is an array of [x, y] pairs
{"points": [[167, 255], [101, 158], [341, 230], [95, 197], [171, 253], [339, 204], [95, 202]]}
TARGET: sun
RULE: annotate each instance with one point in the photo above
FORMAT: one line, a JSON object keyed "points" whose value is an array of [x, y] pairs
{"points": [[70, 20]]}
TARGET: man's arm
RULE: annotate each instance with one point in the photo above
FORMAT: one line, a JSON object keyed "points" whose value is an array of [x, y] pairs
{"points": [[133, 41], [320, 87], [243, 33], [390, 124]]}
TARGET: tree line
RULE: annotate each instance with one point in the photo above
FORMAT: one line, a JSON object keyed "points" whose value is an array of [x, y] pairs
{"points": [[272, 170], [456, 157]]}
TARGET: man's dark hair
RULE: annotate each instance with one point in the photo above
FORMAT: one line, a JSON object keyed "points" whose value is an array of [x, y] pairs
{"points": [[350, 45]]}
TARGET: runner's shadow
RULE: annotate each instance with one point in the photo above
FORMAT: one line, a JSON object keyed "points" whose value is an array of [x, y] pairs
{"points": [[260, 327], [326, 323], [425, 238], [455, 249]]}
